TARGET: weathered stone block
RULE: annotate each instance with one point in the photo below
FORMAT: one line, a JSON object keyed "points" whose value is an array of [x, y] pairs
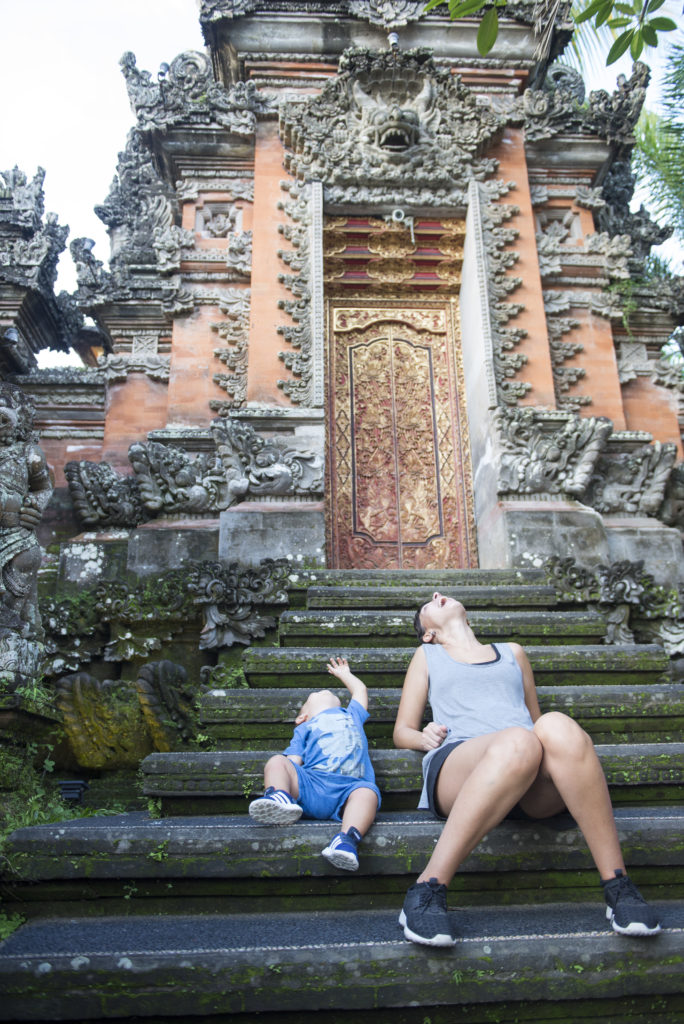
{"points": [[255, 530]]}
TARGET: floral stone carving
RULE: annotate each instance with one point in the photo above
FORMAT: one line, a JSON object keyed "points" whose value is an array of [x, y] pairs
{"points": [[631, 481], [548, 453]]}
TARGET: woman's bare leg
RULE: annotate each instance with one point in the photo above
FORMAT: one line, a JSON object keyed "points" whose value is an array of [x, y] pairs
{"points": [[480, 781], [571, 776]]}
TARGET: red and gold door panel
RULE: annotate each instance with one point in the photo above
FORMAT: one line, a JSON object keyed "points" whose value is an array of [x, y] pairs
{"points": [[399, 479]]}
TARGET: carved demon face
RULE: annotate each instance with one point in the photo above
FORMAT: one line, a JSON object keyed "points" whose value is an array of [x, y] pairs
{"points": [[394, 111]]}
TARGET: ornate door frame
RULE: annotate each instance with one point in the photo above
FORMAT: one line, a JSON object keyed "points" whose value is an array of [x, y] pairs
{"points": [[399, 488]]}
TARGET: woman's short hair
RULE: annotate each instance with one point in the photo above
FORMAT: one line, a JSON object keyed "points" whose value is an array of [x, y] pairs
{"points": [[418, 626]]}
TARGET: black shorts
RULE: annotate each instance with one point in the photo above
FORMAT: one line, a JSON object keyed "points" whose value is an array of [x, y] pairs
{"points": [[516, 812], [434, 768]]}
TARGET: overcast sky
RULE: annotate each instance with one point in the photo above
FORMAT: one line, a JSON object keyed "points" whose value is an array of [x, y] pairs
{"points": [[63, 98]]}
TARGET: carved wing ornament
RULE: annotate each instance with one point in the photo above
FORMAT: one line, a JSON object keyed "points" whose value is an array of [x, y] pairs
{"points": [[186, 91]]}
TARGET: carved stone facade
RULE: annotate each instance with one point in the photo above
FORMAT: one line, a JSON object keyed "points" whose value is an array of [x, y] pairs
{"points": [[287, 170]]}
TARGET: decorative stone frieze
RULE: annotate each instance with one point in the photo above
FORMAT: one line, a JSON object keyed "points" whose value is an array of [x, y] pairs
{"points": [[631, 480], [170, 481], [185, 92], [234, 330], [390, 120], [299, 358], [224, 602], [628, 597], [102, 497], [545, 453]]}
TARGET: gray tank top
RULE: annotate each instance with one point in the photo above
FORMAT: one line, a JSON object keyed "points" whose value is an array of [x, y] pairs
{"points": [[472, 700]]}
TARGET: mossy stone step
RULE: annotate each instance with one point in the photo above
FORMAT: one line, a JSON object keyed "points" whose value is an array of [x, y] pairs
{"points": [[654, 770], [432, 579], [193, 966], [395, 628], [246, 717], [412, 597], [518, 862], [386, 666]]}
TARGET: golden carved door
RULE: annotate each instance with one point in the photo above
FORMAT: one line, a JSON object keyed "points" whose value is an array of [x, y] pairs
{"points": [[399, 480]]}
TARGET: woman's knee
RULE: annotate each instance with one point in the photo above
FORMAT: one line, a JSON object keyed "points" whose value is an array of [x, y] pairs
{"points": [[560, 734], [517, 749]]}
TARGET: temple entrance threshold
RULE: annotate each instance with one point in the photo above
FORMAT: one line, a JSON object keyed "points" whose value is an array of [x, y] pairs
{"points": [[399, 479]]}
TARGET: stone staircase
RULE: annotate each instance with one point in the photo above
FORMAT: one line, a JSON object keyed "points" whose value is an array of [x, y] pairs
{"points": [[201, 914]]}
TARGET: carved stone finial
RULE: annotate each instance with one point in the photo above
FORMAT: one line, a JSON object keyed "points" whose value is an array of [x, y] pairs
{"points": [[185, 90]]}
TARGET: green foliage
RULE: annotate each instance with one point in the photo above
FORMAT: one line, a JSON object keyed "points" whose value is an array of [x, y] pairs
{"points": [[9, 923], [632, 23], [659, 154], [160, 852]]}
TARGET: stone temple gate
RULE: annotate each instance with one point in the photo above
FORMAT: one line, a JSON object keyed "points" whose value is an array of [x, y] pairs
{"points": [[365, 305], [375, 315]]}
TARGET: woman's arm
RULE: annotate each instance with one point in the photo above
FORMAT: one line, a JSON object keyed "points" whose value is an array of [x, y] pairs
{"points": [[529, 687], [407, 732]]}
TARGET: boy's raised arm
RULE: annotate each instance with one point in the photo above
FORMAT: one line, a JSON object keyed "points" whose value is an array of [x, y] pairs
{"points": [[339, 667]]}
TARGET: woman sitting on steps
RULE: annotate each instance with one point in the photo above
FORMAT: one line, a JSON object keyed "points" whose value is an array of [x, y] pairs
{"points": [[488, 750]]}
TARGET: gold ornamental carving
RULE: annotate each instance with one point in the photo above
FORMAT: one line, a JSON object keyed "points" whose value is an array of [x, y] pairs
{"points": [[391, 271], [392, 244], [400, 488], [334, 243], [354, 319]]}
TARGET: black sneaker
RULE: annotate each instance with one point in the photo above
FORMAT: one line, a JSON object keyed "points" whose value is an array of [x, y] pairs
{"points": [[424, 915], [627, 910]]}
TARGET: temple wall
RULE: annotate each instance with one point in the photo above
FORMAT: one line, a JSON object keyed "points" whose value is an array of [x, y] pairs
{"points": [[510, 153], [264, 366]]}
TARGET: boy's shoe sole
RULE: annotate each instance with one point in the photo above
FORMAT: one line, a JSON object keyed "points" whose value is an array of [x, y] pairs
{"points": [[633, 928], [341, 859], [441, 939], [271, 812]]}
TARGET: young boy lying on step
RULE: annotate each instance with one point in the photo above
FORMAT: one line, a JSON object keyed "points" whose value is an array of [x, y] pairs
{"points": [[325, 772]]}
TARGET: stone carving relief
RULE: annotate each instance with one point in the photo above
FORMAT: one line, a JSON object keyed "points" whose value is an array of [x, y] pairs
{"points": [[25, 490], [629, 598], [631, 481], [167, 480], [30, 247], [387, 13], [547, 113], [234, 330], [121, 622], [548, 453], [103, 497], [299, 358], [390, 120], [185, 91], [232, 598], [615, 217]]}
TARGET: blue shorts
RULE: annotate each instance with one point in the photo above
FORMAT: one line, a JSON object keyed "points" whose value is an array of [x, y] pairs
{"points": [[322, 795]]}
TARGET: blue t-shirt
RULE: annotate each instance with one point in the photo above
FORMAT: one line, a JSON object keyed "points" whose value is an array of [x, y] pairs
{"points": [[334, 741]]}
